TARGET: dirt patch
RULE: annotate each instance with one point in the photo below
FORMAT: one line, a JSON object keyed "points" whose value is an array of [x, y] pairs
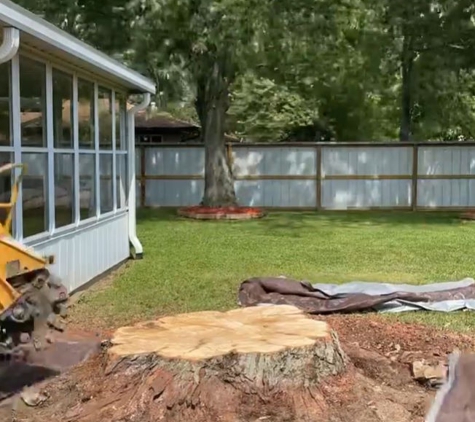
{"points": [[402, 342], [67, 351], [377, 387]]}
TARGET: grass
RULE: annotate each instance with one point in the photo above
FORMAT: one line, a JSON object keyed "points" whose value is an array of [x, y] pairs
{"points": [[191, 265]]}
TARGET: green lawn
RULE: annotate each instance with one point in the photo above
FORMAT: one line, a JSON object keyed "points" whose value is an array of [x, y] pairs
{"points": [[191, 265]]}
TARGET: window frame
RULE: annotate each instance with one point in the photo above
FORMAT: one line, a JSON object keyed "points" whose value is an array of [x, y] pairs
{"points": [[9, 145], [16, 149]]}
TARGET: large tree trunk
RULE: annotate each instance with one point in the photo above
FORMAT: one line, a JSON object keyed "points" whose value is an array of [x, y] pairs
{"points": [[212, 104], [249, 364], [407, 69]]}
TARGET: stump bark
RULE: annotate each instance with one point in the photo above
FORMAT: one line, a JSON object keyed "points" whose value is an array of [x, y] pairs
{"points": [[249, 364]]}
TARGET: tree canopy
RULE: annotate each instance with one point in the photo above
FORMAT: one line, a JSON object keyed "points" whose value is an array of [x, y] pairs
{"points": [[307, 70], [345, 70]]}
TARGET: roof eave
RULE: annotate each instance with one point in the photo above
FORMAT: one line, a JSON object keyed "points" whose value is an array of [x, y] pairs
{"points": [[27, 22]]}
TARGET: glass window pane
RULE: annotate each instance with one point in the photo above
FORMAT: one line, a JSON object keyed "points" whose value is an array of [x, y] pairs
{"points": [[87, 185], [105, 118], [120, 120], [62, 109], [34, 191], [64, 189], [107, 199], [5, 138], [32, 102], [5, 186], [86, 114], [122, 191]]}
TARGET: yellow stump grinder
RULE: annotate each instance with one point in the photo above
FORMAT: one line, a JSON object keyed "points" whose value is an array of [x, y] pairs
{"points": [[32, 301]]}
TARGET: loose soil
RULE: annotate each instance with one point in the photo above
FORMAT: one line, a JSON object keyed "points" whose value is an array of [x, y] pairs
{"points": [[376, 387]]}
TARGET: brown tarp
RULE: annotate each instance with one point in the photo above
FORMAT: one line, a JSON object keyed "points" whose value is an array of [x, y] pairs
{"points": [[284, 291], [454, 402]]}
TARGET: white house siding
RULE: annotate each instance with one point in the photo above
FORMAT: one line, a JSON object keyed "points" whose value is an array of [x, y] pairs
{"points": [[65, 113]]}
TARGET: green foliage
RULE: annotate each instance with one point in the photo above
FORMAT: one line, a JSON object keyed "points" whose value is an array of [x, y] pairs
{"points": [[102, 24], [313, 67], [183, 38], [433, 41], [265, 111], [181, 111]]}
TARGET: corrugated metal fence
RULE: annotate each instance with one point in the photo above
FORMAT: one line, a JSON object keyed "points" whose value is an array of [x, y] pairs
{"points": [[317, 176]]}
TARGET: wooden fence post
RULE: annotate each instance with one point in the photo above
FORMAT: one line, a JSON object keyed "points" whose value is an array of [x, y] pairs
{"points": [[415, 175], [319, 177]]}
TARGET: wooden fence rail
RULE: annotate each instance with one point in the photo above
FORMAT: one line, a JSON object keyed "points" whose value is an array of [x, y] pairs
{"points": [[317, 176]]}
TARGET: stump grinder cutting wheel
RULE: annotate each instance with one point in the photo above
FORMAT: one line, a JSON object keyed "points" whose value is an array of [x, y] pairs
{"points": [[32, 301]]}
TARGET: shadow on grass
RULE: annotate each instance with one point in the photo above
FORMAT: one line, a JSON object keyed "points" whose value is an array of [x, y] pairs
{"points": [[294, 224], [355, 218], [157, 214], [298, 224]]}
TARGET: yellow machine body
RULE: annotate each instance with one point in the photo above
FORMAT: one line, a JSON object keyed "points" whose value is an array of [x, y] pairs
{"points": [[30, 296], [13, 257], [15, 260]]}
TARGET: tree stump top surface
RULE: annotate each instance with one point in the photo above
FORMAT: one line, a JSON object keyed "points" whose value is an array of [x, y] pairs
{"points": [[204, 335]]}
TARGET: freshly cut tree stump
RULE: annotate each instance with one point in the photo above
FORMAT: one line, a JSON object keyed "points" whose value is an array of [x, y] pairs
{"points": [[259, 362]]}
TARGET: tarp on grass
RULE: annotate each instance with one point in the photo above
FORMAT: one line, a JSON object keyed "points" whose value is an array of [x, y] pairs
{"points": [[358, 296]]}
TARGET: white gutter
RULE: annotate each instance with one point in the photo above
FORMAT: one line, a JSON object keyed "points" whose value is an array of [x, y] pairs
{"points": [[138, 249], [10, 44]]}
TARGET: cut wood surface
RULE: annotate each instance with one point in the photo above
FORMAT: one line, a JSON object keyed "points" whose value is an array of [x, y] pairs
{"points": [[309, 383], [203, 335], [238, 366]]}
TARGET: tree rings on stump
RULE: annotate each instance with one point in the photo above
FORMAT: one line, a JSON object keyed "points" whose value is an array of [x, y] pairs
{"points": [[259, 362], [221, 213]]}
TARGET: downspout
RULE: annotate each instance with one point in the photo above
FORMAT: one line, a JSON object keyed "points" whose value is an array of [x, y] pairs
{"points": [[134, 241], [10, 44]]}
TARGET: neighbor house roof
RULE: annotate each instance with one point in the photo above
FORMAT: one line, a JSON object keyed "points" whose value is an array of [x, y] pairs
{"points": [[167, 123], [43, 36], [143, 121]]}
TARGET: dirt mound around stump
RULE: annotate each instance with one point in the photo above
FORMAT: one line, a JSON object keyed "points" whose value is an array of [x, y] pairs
{"points": [[221, 213], [224, 365], [374, 385]]}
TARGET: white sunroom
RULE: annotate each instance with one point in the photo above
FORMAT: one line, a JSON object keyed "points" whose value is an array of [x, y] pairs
{"points": [[64, 113]]}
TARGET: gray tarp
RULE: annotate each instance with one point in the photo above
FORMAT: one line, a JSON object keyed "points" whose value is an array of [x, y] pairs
{"points": [[358, 296], [401, 305]]}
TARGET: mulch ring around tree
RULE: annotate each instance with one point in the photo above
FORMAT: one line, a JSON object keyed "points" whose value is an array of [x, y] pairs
{"points": [[200, 212], [469, 215]]}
